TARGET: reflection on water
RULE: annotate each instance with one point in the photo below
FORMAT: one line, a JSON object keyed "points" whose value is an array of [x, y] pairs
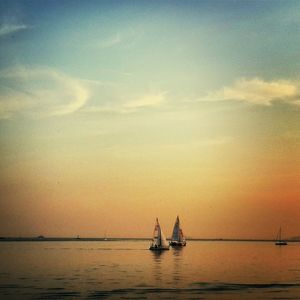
{"points": [[127, 269], [157, 265], [177, 264]]}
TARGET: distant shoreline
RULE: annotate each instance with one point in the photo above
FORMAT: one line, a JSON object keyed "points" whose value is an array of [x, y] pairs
{"points": [[74, 239]]}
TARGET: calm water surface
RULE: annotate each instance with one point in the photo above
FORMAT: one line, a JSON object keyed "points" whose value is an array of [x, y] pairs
{"points": [[128, 270]]}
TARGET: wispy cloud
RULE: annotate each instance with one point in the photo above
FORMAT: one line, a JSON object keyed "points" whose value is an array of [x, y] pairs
{"points": [[111, 41], [40, 92], [121, 106], [148, 100], [257, 91], [125, 37], [200, 143], [6, 29]]}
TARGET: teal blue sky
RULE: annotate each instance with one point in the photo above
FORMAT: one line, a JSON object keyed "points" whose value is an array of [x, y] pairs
{"points": [[199, 43], [187, 47], [104, 101]]}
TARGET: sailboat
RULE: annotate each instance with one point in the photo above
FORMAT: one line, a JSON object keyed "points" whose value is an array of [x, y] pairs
{"points": [[159, 241], [178, 238], [279, 241]]}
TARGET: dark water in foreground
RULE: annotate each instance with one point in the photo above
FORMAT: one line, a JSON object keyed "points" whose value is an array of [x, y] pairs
{"points": [[128, 270]]}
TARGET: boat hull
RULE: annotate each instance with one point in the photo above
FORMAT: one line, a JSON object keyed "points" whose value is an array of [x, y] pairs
{"points": [[177, 244], [153, 248], [281, 243]]}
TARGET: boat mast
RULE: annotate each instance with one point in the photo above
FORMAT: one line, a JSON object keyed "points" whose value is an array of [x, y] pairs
{"points": [[159, 233], [280, 234]]}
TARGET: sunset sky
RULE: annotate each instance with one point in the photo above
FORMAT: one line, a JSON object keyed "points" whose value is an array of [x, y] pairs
{"points": [[113, 113]]}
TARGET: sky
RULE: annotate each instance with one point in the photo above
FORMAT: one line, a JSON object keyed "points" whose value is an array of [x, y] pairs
{"points": [[113, 113]]}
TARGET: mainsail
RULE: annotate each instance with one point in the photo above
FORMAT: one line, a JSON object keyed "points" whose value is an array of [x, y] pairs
{"points": [[159, 240], [157, 234], [177, 232], [178, 238]]}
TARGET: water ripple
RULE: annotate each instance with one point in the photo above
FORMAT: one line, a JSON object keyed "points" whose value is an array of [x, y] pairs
{"points": [[201, 287]]}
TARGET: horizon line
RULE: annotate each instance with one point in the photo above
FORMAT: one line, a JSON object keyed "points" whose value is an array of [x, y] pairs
{"points": [[78, 238]]}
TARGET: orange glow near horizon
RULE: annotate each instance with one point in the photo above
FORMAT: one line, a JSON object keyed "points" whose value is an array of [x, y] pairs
{"points": [[113, 114], [226, 191]]}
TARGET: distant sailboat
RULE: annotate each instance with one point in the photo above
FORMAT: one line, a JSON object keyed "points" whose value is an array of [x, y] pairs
{"points": [[159, 241], [178, 238], [279, 241]]}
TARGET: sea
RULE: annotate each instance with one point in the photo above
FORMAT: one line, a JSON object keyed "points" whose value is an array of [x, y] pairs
{"points": [[126, 269]]}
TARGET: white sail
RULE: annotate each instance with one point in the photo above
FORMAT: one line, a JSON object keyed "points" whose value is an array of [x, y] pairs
{"points": [[159, 241], [177, 232], [163, 240]]}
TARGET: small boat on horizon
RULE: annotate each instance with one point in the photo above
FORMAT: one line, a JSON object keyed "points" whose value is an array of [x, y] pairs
{"points": [[178, 238], [279, 241], [159, 241]]}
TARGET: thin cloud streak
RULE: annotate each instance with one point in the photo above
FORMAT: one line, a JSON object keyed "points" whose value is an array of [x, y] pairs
{"points": [[6, 29], [145, 101], [125, 38], [257, 91], [205, 142], [148, 100]]}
